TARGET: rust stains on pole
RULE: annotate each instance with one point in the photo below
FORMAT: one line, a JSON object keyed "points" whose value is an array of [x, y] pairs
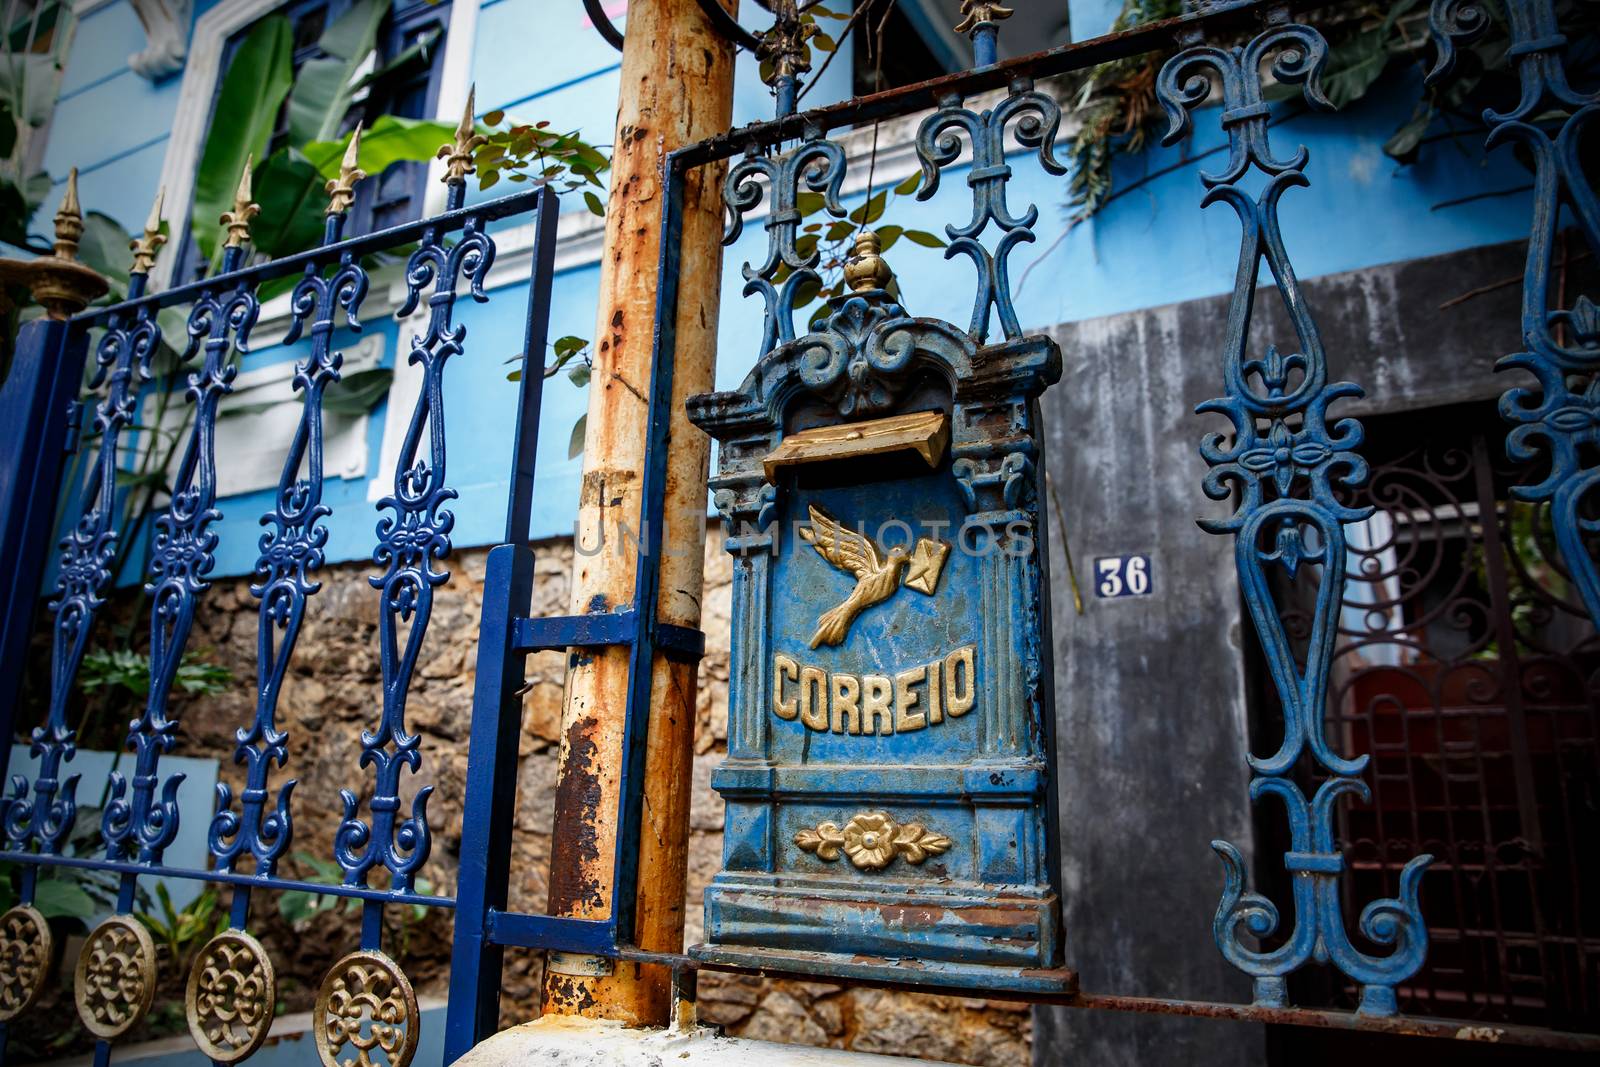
{"points": [[677, 88]]}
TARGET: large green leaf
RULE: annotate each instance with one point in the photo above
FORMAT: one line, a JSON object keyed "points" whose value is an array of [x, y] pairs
{"points": [[322, 89], [391, 140], [104, 246], [1353, 66], [292, 198], [253, 89], [59, 898]]}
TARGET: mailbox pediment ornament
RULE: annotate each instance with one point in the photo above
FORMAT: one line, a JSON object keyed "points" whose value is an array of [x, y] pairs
{"points": [[891, 732]]}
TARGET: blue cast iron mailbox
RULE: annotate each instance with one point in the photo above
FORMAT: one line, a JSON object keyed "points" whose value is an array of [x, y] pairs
{"points": [[890, 803]]}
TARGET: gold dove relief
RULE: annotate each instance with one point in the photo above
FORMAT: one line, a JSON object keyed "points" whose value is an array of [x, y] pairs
{"points": [[877, 574]]}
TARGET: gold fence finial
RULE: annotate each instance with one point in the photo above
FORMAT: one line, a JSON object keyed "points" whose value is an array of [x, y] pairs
{"points": [[866, 268], [458, 154], [146, 247], [69, 220], [784, 46], [977, 11], [238, 220], [342, 190], [57, 281]]}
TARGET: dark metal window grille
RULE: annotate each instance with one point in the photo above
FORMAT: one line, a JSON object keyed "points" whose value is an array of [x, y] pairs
{"points": [[1465, 667]]}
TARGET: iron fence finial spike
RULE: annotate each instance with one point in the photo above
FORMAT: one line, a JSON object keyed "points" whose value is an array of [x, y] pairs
{"points": [[69, 220], [978, 12], [145, 248], [238, 219], [341, 190], [69, 201], [352, 151], [464, 127], [458, 154], [154, 221]]}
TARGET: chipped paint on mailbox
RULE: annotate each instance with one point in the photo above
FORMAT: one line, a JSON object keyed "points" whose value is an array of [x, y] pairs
{"points": [[890, 803]]}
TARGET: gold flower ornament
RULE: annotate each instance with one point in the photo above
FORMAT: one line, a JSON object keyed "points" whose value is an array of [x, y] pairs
{"points": [[872, 840]]}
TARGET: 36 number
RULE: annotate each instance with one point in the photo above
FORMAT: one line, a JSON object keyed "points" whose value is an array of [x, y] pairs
{"points": [[1122, 576]]}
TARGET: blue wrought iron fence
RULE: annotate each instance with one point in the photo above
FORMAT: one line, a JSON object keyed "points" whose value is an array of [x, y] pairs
{"points": [[367, 1000], [1282, 462]]}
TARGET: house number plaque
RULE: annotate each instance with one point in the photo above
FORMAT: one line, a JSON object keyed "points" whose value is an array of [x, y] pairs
{"points": [[890, 802]]}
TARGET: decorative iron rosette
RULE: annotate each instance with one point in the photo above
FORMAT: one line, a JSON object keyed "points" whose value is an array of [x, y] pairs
{"points": [[366, 1003], [231, 994], [115, 981], [26, 949]]}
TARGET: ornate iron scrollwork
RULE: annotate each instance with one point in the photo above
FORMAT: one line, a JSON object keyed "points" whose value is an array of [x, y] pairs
{"points": [[820, 164], [115, 982], [231, 996], [409, 541], [291, 551], [26, 950], [1281, 467], [1451, 22], [1033, 118], [87, 554], [1559, 419], [366, 1004], [182, 554]]}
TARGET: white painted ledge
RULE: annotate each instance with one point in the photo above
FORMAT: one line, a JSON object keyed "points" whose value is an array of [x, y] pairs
{"points": [[564, 1041]]}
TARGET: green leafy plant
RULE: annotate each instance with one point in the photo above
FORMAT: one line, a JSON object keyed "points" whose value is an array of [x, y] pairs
{"points": [[118, 679], [571, 354], [533, 153], [834, 239], [30, 67], [181, 933], [130, 671], [1118, 113], [300, 908], [68, 894], [289, 179], [1115, 104]]}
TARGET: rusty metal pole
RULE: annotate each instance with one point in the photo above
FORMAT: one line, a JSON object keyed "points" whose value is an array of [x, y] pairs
{"points": [[677, 88]]}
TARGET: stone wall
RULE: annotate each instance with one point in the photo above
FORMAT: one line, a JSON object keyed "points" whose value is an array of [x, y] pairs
{"points": [[333, 692]]}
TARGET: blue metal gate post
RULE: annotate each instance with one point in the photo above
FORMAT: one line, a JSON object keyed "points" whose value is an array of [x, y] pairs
{"points": [[38, 420], [490, 804]]}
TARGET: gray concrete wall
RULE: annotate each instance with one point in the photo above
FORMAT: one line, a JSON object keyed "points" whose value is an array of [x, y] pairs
{"points": [[1151, 692]]}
